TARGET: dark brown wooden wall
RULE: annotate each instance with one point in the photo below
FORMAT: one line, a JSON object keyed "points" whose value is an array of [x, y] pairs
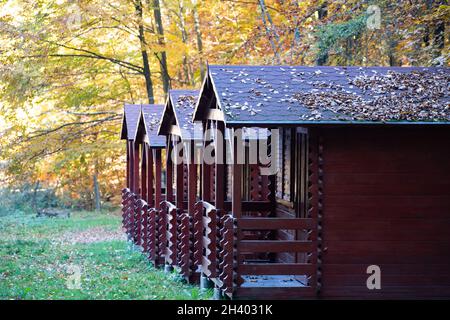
{"points": [[386, 201]]}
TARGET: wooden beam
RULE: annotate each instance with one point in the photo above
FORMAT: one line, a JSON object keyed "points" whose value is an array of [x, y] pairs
{"points": [[144, 164], [254, 246], [236, 194], [275, 223], [128, 165], [150, 178], [220, 166], [179, 173], [206, 168], [131, 165], [169, 171], [276, 269], [158, 176], [136, 167], [192, 178], [215, 115], [273, 178]]}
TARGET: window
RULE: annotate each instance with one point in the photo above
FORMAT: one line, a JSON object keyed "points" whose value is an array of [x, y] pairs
{"points": [[292, 173]]}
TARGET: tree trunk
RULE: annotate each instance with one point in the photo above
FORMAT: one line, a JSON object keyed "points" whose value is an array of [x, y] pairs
{"points": [[270, 32], [34, 200], [184, 39], [198, 33], [96, 193], [162, 56], [323, 13], [145, 60]]}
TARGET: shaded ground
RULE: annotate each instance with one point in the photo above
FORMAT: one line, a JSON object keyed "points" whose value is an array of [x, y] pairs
{"points": [[82, 257]]}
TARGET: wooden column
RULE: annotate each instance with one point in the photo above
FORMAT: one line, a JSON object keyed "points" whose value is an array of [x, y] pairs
{"points": [[131, 164], [158, 177], [192, 178], [220, 166], [179, 174], [169, 170], [144, 164], [206, 168], [236, 193], [136, 167], [128, 165], [150, 179], [273, 177]]}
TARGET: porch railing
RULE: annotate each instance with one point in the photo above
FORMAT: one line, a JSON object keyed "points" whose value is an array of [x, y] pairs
{"points": [[212, 242]]}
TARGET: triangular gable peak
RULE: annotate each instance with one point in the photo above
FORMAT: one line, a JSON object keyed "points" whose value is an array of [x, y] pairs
{"points": [[265, 95], [177, 115], [147, 130], [130, 118], [208, 104]]}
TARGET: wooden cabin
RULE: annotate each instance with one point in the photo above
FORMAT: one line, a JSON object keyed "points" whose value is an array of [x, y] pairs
{"points": [[359, 204], [145, 192], [130, 119], [182, 191]]}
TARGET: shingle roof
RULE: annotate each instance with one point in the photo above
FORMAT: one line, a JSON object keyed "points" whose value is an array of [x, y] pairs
{"points": [[131, 113], [182, 104], [152, 115], [298, 94]]}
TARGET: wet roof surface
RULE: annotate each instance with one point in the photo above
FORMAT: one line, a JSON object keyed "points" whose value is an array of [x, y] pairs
{"points": [[184, 102], [152, 115], [346, 94], [131, 117]]}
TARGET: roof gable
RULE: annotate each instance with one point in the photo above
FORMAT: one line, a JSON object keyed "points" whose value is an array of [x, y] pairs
{"points": [[150, 119], [298, 94], [131, 113], [178, 112]]}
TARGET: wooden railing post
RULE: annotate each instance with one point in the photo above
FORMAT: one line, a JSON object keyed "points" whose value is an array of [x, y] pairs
{"points": [[152, 236], [170, 212], [226, 255], [132, 215], [139, 204], [161, 222], [144, 229], [183, 245], [209, 261], [125, 193], [197, 237]]}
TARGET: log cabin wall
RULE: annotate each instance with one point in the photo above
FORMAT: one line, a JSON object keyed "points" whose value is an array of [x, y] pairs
{"points": [[386, 202]]}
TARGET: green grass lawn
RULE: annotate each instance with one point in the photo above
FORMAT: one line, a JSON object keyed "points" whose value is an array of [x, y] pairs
{"points": [[42, 258]]}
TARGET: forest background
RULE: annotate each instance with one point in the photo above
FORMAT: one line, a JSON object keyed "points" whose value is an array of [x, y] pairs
{"points": [[67, 67]]}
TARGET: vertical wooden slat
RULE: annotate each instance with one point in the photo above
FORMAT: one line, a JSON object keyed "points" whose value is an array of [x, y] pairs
{"points": [[169, 171], [236, 200], [144, 227], [179, 175], [152, 235], [273, 178], [206, 170], [192, 179], [150, 179], [128, 165], [144, 164], [314, 205], [131, 165], [158, 177], [136, 167], [220, 166]]}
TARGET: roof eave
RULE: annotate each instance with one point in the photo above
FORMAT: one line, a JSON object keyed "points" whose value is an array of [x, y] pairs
{"points": [[237, 123]]}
